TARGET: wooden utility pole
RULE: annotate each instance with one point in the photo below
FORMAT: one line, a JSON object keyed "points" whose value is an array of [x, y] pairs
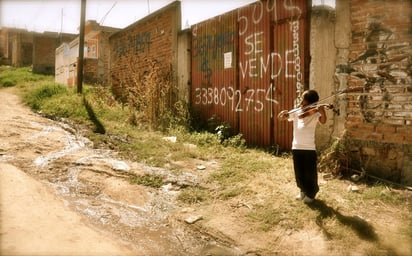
{"points": [[81, 49]]}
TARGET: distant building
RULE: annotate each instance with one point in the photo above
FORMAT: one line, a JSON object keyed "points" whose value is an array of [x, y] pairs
{"points": [[96, 56], [44, 50], [16, 47], [19, 47]]}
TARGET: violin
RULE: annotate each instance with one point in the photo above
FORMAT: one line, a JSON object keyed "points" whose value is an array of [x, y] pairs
{"points": [[313, 110], [310, 109]]}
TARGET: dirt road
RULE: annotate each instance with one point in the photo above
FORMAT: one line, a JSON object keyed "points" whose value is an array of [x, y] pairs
{"points": [[61, 196], [34, 221]]}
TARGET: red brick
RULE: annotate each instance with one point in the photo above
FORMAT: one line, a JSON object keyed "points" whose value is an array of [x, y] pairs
{"points": [[384, 128], [367, 127], [375, 136], [396, 138], [404, 130]]}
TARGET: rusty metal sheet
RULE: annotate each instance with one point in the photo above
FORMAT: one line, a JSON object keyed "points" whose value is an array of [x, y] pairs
{"points": [[255, 102], [267, 72], [214, 75], [290, 44]]}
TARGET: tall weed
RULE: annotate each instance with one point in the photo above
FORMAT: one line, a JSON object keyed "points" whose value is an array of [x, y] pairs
{"points": [[36, 98]]}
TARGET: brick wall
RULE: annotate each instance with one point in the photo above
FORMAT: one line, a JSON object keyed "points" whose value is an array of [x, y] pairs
{"points": [[379, 116], [44, 54], [148, 44], [21, 47], [44, 51]]}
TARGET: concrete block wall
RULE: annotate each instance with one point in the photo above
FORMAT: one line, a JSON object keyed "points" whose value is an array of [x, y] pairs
{"points": [[19, 47], [379, 115]]}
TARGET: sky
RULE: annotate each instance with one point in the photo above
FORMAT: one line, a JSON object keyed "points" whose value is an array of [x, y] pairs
{"points": [[64, 15]]}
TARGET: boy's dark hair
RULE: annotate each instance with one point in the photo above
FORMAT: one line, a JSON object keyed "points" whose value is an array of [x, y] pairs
{"points": [[311, 96]]}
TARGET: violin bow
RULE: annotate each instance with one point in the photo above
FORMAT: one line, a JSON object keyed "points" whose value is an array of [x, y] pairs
{"points": [[347, 90]]}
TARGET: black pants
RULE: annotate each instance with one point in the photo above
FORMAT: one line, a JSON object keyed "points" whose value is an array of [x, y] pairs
{"points": [[306, 175]]}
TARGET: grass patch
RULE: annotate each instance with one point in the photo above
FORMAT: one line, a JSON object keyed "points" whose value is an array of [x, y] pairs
{"points": [[383, 193], [231, 192], [37, 98], [148, 180], [193, 195], [237, 167], [10, 76], [268, 217]]}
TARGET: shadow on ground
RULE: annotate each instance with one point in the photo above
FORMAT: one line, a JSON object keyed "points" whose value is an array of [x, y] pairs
{"points": [[99, 127], [362, 228]]}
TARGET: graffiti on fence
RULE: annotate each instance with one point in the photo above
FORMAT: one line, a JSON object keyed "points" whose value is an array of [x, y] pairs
{"points": [[256, 60], [239, 101], [210, 48], [212, 45]]}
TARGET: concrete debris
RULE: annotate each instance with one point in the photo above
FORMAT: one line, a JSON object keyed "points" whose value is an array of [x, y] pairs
{"points": [[170, 188], [201, 167], [193, 218], [353, 188], [119, 165], [172, 139]]}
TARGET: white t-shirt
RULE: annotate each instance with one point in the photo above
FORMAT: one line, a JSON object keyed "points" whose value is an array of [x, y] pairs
{"points": [[304, 130]]}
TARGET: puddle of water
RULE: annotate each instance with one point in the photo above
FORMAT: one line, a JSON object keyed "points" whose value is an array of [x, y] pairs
{"points": [[72, 145], [103, 198], [115, 164], [45, 131]]}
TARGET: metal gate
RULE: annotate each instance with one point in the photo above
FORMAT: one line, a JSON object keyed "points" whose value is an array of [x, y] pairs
{"points": [[249, 64]]}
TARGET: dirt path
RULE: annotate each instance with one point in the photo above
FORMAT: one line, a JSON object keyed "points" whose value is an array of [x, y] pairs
{"points": [[60, 196], [36, 222]]}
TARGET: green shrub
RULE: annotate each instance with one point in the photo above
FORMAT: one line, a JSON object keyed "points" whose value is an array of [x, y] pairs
{"points": [[7, 82], [35, 98], [148, 180], [10, 76]]}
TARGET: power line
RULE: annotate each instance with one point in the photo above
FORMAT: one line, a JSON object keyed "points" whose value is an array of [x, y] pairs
{"points": [[104, 17]]}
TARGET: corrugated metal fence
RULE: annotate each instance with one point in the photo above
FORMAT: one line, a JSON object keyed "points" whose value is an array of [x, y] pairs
{"points": [[249, 64]]}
